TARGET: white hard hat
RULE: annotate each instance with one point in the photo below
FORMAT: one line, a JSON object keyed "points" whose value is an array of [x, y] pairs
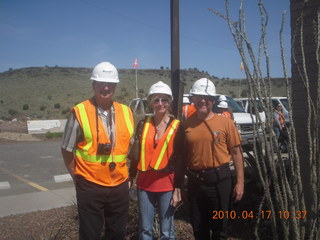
{"points": [[186, 100], [222, 98], [105, 72], [222, 104], [161, 88], [203, 86]]}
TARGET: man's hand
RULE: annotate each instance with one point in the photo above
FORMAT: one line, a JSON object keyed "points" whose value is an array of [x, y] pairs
{"points": [[236, 154], [69, 161], [130, 182], [238, 191]]}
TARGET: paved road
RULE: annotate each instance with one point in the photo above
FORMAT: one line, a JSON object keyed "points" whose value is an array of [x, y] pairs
{"points": [[33, 177]]}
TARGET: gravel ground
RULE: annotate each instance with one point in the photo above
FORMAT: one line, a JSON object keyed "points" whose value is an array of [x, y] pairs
{"points": [[62, 223]]}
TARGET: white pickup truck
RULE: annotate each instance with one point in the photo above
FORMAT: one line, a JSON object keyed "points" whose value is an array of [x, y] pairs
{"points": [[244, 122], [245, 103]]}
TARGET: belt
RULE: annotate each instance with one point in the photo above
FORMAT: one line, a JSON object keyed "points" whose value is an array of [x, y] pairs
{"points": [[204, 174], [223, 166]]}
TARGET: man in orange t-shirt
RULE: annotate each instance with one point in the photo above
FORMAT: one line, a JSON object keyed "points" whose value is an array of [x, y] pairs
{"points": [[208, 140]]}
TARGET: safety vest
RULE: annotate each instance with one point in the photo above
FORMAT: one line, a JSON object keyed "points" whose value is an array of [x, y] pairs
{"points": [[226, 114], [156, 158], [188, 111], [90, 164], [281, 118]]}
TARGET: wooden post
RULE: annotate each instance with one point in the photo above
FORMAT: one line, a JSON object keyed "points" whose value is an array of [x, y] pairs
{"points": [[176, 86]]}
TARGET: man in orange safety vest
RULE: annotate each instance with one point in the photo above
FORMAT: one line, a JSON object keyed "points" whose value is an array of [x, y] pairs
{"points": [[94, 149]]}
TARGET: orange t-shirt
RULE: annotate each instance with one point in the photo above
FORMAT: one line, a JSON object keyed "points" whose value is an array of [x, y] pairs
{"points": [[202, 151]]}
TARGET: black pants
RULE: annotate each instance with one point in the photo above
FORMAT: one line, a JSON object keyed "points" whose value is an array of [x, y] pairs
{"points": [[204, 198], [97, 205]]}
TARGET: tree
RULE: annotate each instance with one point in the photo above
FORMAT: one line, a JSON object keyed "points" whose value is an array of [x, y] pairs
{"points": [[283, 192]]}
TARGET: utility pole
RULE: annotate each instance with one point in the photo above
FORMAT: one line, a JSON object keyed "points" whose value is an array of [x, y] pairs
{"points": [[176, 86]]}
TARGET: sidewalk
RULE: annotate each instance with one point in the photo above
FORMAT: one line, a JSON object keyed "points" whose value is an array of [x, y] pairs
{"points": [[30, 202]]}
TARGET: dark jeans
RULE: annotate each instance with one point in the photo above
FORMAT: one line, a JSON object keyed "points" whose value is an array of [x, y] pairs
{"points": [[204, 198], [97, 205]]}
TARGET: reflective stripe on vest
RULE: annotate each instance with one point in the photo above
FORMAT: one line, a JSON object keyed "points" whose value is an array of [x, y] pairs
{"points": [[83, 153], [143, 143], [130, 127], [165, 145], [156, 162], [100, 158], [85, 126]]}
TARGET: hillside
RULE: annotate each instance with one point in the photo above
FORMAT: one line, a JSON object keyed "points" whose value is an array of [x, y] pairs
{"points": [[50, 92]]}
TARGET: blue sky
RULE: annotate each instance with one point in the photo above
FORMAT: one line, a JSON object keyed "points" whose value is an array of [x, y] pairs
{"points": [[82, 33]]}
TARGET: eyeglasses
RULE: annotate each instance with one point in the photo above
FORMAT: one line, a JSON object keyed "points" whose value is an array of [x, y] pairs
{"points": [[205, 97], [163, 100]]}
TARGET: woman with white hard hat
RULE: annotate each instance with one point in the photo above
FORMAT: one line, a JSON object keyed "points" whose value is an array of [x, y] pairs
{"points": [[152, 156]]}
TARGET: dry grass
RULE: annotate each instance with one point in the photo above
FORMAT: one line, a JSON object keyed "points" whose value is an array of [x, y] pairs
{"points": [[50, 92]]}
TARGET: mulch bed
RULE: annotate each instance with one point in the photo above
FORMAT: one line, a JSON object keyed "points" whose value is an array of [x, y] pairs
{"points": [[62, 223]]}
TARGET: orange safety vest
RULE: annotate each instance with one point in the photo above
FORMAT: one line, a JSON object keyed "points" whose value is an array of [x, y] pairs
{"points": [[93, 167], [156, 158], [281, 118], [188, 111], [226, 114]]}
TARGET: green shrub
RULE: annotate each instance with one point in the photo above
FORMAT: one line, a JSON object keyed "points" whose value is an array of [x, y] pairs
{"points": [[57, 105], [50, 135], [42, 108], [244, 93], [25, 107]]}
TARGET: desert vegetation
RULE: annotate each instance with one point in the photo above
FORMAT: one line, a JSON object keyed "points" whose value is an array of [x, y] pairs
{"points": [[50, 92]]}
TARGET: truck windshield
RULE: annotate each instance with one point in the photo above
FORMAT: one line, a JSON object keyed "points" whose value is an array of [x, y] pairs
{"points": [[259, 106], [234, 105], [236, 108], [285, 103]]}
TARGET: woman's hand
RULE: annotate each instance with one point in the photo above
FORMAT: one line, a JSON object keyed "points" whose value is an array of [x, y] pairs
{"points": [[176, 197]]}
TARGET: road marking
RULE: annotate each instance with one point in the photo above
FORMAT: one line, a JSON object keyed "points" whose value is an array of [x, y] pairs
{"points": [[46, 157], [4, 185], [62, 178], [35, 185]]}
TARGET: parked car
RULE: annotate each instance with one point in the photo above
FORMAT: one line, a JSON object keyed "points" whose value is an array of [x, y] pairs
{"points": [[248, 106]]}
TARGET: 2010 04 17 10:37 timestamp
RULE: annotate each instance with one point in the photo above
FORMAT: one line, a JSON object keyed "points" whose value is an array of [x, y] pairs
{"points": [[262, 214]]}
